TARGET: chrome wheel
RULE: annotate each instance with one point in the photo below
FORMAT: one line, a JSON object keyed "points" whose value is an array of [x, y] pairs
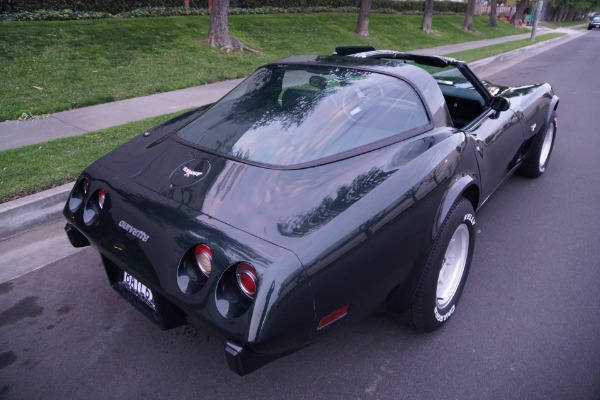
{"points": [[453, 266], [546, 146]]}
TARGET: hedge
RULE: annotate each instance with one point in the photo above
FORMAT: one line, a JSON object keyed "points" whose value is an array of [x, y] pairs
{"points": [[108, 6], [100, 8], [396, 5]]}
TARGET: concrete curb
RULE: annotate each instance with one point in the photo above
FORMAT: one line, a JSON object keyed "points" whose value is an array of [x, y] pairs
{"points": [[31, 212]]}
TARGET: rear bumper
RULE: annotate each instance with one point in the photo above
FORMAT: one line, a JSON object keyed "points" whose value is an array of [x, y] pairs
{"points": [[243, 361], [75, 237], [165, 314]]}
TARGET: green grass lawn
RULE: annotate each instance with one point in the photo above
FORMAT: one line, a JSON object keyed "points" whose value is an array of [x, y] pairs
{"points": [[79, 63], [488, 51], [30, 169]]}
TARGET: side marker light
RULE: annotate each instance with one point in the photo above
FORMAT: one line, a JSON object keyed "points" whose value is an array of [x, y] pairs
{"points": [[334, 316]]}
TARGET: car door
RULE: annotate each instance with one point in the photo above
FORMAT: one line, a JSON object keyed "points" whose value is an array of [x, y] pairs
{"points": [[498, 136], [497, 132]]}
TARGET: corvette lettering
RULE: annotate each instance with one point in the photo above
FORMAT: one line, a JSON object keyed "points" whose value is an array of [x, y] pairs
{"points": [[189, 172], [143, 236]]}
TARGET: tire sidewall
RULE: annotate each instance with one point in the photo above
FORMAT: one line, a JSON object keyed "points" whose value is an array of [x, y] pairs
{"points": [[433, 318]]}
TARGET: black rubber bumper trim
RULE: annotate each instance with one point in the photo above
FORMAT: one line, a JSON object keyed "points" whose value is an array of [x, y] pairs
{"points": [[75, 237]]}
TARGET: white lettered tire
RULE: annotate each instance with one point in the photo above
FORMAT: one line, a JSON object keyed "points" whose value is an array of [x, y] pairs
{"points": [[446, 270], [536, 161]]}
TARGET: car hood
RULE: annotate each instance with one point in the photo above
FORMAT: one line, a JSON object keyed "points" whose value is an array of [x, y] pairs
{"points": [[282, 206]]}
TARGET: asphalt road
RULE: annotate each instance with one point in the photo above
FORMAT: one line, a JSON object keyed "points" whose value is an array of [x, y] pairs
{"points": [[527, 327]]}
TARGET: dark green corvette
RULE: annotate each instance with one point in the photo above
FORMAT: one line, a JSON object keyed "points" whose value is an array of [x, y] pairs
{"points": [[320, 189]]}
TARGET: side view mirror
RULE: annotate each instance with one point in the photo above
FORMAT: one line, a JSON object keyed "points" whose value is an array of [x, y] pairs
{"points": [[499, 104]]}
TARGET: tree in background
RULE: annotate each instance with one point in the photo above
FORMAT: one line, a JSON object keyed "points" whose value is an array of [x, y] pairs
{"points": [[468, 26], [218, 33], [569, 10], [493, 13], [519, 13], [362, 27], [428, 17]]}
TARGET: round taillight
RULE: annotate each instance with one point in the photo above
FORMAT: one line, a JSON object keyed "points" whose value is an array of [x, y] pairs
{"points": [[246, 278], [204, 259], [101, 198], [78, 194]]}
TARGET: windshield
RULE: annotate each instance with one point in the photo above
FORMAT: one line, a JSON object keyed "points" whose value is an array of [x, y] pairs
{"points": [[289, 114], [448, 76]]}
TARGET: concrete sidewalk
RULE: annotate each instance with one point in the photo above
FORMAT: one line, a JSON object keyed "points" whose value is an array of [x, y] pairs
{"points": [[15, 134], [31, 212]]}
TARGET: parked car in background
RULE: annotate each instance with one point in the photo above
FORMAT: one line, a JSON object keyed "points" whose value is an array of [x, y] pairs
{"points": [[320, 189], [594, 23]]}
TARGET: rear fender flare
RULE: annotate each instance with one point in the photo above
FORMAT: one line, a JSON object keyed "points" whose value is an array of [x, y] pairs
{"points": [[463, 186], [552, 108], [459, 188]]}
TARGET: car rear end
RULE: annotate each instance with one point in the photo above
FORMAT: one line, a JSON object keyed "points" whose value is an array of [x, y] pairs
{"points": [[175, 264]]}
